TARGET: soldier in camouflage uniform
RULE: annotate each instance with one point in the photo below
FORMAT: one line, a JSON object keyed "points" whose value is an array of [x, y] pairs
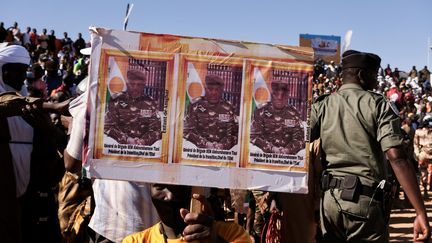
{"points": [[133, 117], [211, 122], [277, 127]]}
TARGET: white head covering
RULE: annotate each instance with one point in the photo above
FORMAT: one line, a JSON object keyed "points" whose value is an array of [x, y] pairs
{"points": [[14, 54], [21, 132]]}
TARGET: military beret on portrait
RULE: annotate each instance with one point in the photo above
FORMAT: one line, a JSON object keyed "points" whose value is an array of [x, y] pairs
{"points": [[279, 83], [356, 59], [214, 80], [135, 74]]}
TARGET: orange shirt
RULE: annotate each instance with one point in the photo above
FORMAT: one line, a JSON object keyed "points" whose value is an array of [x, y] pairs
{"points": [[230, 232]]}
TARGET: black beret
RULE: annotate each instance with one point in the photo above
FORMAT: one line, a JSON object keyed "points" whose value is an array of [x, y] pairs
{"points": [[214, 80], [135, 74], [279, 84], [279, 81], [356, 59]]}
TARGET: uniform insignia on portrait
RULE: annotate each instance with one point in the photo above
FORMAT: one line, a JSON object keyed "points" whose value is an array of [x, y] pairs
{"points": [[201, 108], [290, 123], [278, 118], [224, 117], [148, 102], [394, 107], [146, 113], [133, 108], [123, 104], [268, 114], [212, 113]]}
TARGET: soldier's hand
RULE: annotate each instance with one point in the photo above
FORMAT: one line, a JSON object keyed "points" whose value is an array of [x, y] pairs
{"points": [[276, 150], [218, 146], [141, 141], [210, 145], [132, 140], [285, 151], [421, 229]]}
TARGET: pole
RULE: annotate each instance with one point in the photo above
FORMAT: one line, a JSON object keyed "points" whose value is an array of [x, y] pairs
{"points": [[428, 53], [128, 12]]}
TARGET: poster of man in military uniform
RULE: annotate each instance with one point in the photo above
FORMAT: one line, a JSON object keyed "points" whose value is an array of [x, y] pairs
{"points": [[211, 121], [278, 126], [133, 117]]}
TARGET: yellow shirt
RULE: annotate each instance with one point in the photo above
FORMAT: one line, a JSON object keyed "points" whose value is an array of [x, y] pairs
{"points": [[230, 232]]}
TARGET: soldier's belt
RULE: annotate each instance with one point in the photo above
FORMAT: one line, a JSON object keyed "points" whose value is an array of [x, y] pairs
{"points": [[347, 184]]}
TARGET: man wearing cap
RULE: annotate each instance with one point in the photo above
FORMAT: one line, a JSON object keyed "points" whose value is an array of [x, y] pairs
{"points": [[356, 126], [133, 117], [277, 127], [211, 121]]}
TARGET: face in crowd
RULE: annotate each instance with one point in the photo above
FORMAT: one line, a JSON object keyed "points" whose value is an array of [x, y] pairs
{"points": [[279, 95], [168, 200], [14, 74], [136, 83]]}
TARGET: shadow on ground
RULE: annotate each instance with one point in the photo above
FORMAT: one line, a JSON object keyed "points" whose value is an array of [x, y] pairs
{"points": [[402, 218]]}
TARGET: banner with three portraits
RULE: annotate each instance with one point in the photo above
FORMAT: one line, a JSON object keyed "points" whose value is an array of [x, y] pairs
{"points": [[199, 111]]}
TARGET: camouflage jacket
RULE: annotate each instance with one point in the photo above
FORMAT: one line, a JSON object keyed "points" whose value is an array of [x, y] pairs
{"points": [[205, 122], [273, 128], [136, 119]]}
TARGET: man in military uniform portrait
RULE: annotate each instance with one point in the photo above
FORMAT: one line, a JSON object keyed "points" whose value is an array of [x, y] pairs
{"points": [[277, 127], [211, 121], [133, 117], [356, 127]]}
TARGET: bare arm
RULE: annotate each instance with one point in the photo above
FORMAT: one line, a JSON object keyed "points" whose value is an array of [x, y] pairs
{"points": [[405, 174], [72, 165]]}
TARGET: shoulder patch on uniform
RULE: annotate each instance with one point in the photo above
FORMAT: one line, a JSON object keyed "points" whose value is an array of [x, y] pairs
{"points": [[321, 97], [376, 93], [194, 100], [393, 107], [147, 98], [228, 102]]}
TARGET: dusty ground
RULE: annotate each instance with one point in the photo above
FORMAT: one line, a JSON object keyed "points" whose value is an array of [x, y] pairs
{"points": [[402, 218]]}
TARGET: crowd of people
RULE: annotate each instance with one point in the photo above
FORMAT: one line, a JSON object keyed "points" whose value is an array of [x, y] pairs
{"points": [[51, 201], [57, 63]]}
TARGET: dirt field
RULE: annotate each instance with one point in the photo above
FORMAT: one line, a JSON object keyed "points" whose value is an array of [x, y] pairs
{"points": [[402, 218]]}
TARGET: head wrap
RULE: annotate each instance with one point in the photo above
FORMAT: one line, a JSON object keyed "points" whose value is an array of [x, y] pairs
{"points": [[12, 54]]}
